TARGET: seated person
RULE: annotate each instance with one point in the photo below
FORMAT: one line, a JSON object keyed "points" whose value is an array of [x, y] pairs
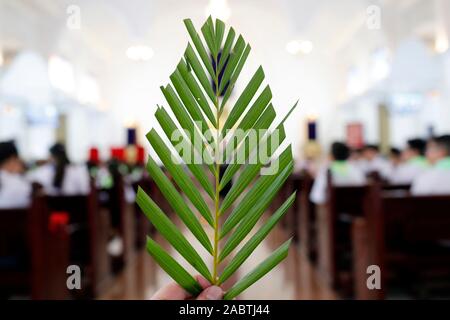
{"points": [[59, 176], [343, 173], [356, 158], [15, 191], [395, 157], [309, 163], [414, 164], [374, 162], [436, 179]]}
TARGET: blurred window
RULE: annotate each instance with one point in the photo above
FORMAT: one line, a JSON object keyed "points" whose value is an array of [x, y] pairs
{"points": [[61, 74]]}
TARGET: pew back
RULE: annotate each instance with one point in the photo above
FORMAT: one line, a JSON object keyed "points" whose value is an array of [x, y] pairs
{"points": [[33, 257], [15, 245], [306, 220], [143, 227], [122, 218], [344, 204], [406, 226], [88, 231]]}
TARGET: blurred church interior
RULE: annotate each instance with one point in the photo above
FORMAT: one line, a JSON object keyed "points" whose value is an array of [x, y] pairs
{"points": [[80, 83]]}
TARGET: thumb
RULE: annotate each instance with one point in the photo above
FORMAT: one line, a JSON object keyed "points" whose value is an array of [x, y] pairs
{"points": [[211, 293]]}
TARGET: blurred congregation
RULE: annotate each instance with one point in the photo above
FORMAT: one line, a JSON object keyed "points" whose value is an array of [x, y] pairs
{"points": [[79, 82]]}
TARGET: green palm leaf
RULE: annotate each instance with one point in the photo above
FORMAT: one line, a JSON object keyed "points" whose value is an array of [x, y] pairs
{"points": [[256, 239], [178, 174], [199, 46], [173, 268], [244, 99], [250, 118], [194, 63], [209, 36], [232, 147], [198, 93], [261, 270], [243, 150], [171, 233], [177, 203], [236, 54], [226, 49], [169, 127], [187, 97], [254, 213], [235, 76], [254, 195]]}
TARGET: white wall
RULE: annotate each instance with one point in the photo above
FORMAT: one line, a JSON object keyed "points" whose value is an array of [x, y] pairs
{"points": [[130, 91]]}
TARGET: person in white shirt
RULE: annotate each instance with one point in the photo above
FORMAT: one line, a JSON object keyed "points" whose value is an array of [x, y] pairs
{"points": [[436, 179], [15, 191], [395, 158], [414, 163], [356, 158], [59, 176], [374, 162], [343, 173]]}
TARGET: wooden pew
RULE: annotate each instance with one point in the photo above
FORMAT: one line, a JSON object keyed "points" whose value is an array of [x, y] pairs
{"points": [[121, 214], [143, 227], [289, 222], [88, 232], [293, 221], [400, 234], [305, 210], [33, 257], [334, 231]]}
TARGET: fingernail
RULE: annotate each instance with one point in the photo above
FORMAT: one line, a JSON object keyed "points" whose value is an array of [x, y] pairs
{"points": [[214, 293]]}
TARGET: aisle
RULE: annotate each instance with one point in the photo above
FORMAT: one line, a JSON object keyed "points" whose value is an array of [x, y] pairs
{"points": [[295, 278]]}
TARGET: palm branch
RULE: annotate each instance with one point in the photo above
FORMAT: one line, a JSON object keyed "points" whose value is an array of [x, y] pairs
{"points": [[197, 95]]}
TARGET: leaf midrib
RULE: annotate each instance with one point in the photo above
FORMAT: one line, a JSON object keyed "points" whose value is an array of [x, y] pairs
{"points": [[215, 276]]}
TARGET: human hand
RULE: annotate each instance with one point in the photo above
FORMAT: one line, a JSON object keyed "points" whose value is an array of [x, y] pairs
{"points": [[173, 291]]}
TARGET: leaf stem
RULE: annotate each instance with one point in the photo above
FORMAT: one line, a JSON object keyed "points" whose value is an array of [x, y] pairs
{"points": [[217, 177]]}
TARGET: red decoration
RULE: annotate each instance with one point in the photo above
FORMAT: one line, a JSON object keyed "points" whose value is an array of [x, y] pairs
{"points": [[118, 154], [140, 155], [355, 135], [58, 220], [94, 156]]}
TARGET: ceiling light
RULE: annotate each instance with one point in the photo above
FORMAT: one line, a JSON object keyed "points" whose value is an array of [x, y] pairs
{"points": [[306, 47], [295, 47], [8, 109], [139, 53], [441, 45], [218, 9]]}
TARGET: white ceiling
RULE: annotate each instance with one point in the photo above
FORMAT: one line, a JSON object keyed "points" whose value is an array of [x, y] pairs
{"points": [[130, 90], [112, 24], [337, 29]]}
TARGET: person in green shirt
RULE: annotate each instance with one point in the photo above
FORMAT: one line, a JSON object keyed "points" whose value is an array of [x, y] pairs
{"points": [[343, 173], [436, 179], [414, 163]]}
